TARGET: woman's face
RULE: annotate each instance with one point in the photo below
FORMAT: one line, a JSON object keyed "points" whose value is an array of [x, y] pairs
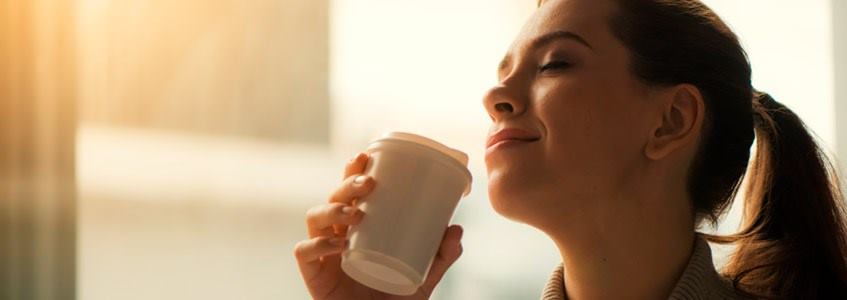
{"points": [[580, 117]]}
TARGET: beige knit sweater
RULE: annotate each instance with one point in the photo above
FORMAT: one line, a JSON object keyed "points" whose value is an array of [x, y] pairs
{"points": [[698, 281]]}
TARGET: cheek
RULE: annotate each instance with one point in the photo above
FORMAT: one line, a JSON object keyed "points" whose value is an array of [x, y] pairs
{"points": [[592, 132]]}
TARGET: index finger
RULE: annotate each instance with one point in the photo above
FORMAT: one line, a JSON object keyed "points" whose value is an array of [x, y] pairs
{"points": [[356, 165]]}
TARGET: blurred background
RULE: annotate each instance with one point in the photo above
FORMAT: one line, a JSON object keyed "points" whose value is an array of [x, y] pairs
{"points": [[183, 141]]}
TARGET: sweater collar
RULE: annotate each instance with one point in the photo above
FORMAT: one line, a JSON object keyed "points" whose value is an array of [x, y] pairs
{"points": [[699, 280]]}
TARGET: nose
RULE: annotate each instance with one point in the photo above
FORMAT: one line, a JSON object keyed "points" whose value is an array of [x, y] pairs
{"points": [[502, 102]]}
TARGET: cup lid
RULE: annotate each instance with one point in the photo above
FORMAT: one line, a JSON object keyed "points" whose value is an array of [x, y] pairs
{"points": [[459, 156]]}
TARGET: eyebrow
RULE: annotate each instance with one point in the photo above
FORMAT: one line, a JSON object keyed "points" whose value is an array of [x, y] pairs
{"points": [[545, 39]]}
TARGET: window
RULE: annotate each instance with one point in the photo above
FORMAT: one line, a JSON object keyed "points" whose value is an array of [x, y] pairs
{"points": [[253, 68]]}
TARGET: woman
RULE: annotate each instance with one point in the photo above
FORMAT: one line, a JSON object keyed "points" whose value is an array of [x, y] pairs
{"points": [[619, 126]]}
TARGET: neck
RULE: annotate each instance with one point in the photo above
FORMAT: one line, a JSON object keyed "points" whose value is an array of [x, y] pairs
{"points": [[636, 249]]}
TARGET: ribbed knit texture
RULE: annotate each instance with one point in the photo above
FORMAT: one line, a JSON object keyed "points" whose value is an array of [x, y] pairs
{"points": [[698, 281]]}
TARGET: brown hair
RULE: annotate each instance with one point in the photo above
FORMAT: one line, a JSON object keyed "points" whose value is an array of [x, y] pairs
{"points": [[792, 242]]}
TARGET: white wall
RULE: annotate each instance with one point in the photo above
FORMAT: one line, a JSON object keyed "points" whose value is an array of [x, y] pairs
{"points": [[839, 34]]}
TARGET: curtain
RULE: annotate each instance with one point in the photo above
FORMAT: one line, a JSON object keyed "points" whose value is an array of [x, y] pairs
{"points": [[37, 128]]}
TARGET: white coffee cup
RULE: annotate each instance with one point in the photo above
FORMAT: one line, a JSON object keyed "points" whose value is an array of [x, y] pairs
{"points": [[419, 183]]}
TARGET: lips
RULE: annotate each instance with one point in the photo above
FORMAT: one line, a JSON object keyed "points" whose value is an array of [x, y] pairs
{"points": [[511, 134]]}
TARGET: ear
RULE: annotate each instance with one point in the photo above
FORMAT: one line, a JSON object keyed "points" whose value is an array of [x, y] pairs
{"points": [[682, 113]]}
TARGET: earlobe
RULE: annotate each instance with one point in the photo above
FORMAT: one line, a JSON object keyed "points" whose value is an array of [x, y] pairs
{"points": [[681, 114]]}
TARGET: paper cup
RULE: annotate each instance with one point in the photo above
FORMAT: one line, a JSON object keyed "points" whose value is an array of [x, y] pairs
{"points": [[418, 185]]}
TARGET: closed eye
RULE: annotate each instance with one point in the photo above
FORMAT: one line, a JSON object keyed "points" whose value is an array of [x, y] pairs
{"points": [[554, 65]]}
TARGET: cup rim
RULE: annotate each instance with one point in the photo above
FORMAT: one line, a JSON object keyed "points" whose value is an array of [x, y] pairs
{"points": [[459, 156], [378, 143]]}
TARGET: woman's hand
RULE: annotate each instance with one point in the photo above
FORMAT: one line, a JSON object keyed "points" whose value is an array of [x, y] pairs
{"points": [[319, 257]]}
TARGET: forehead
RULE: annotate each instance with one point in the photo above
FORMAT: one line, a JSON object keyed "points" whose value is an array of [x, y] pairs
{"points": [[587, 18]]}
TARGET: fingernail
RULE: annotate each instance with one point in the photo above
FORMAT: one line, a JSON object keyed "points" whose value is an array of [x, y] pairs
{"points": [[348, 210], [337, 241], [360, 179]]}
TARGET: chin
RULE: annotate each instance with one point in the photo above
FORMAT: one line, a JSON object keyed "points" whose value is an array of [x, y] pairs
{"points": [[509, 196]]}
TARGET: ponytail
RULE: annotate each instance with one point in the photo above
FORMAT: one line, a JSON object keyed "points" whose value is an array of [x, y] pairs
{"points": [[792, 239]]}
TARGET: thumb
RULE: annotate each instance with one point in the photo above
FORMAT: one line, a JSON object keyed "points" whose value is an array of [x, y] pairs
{"points": [[448, 253]]}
